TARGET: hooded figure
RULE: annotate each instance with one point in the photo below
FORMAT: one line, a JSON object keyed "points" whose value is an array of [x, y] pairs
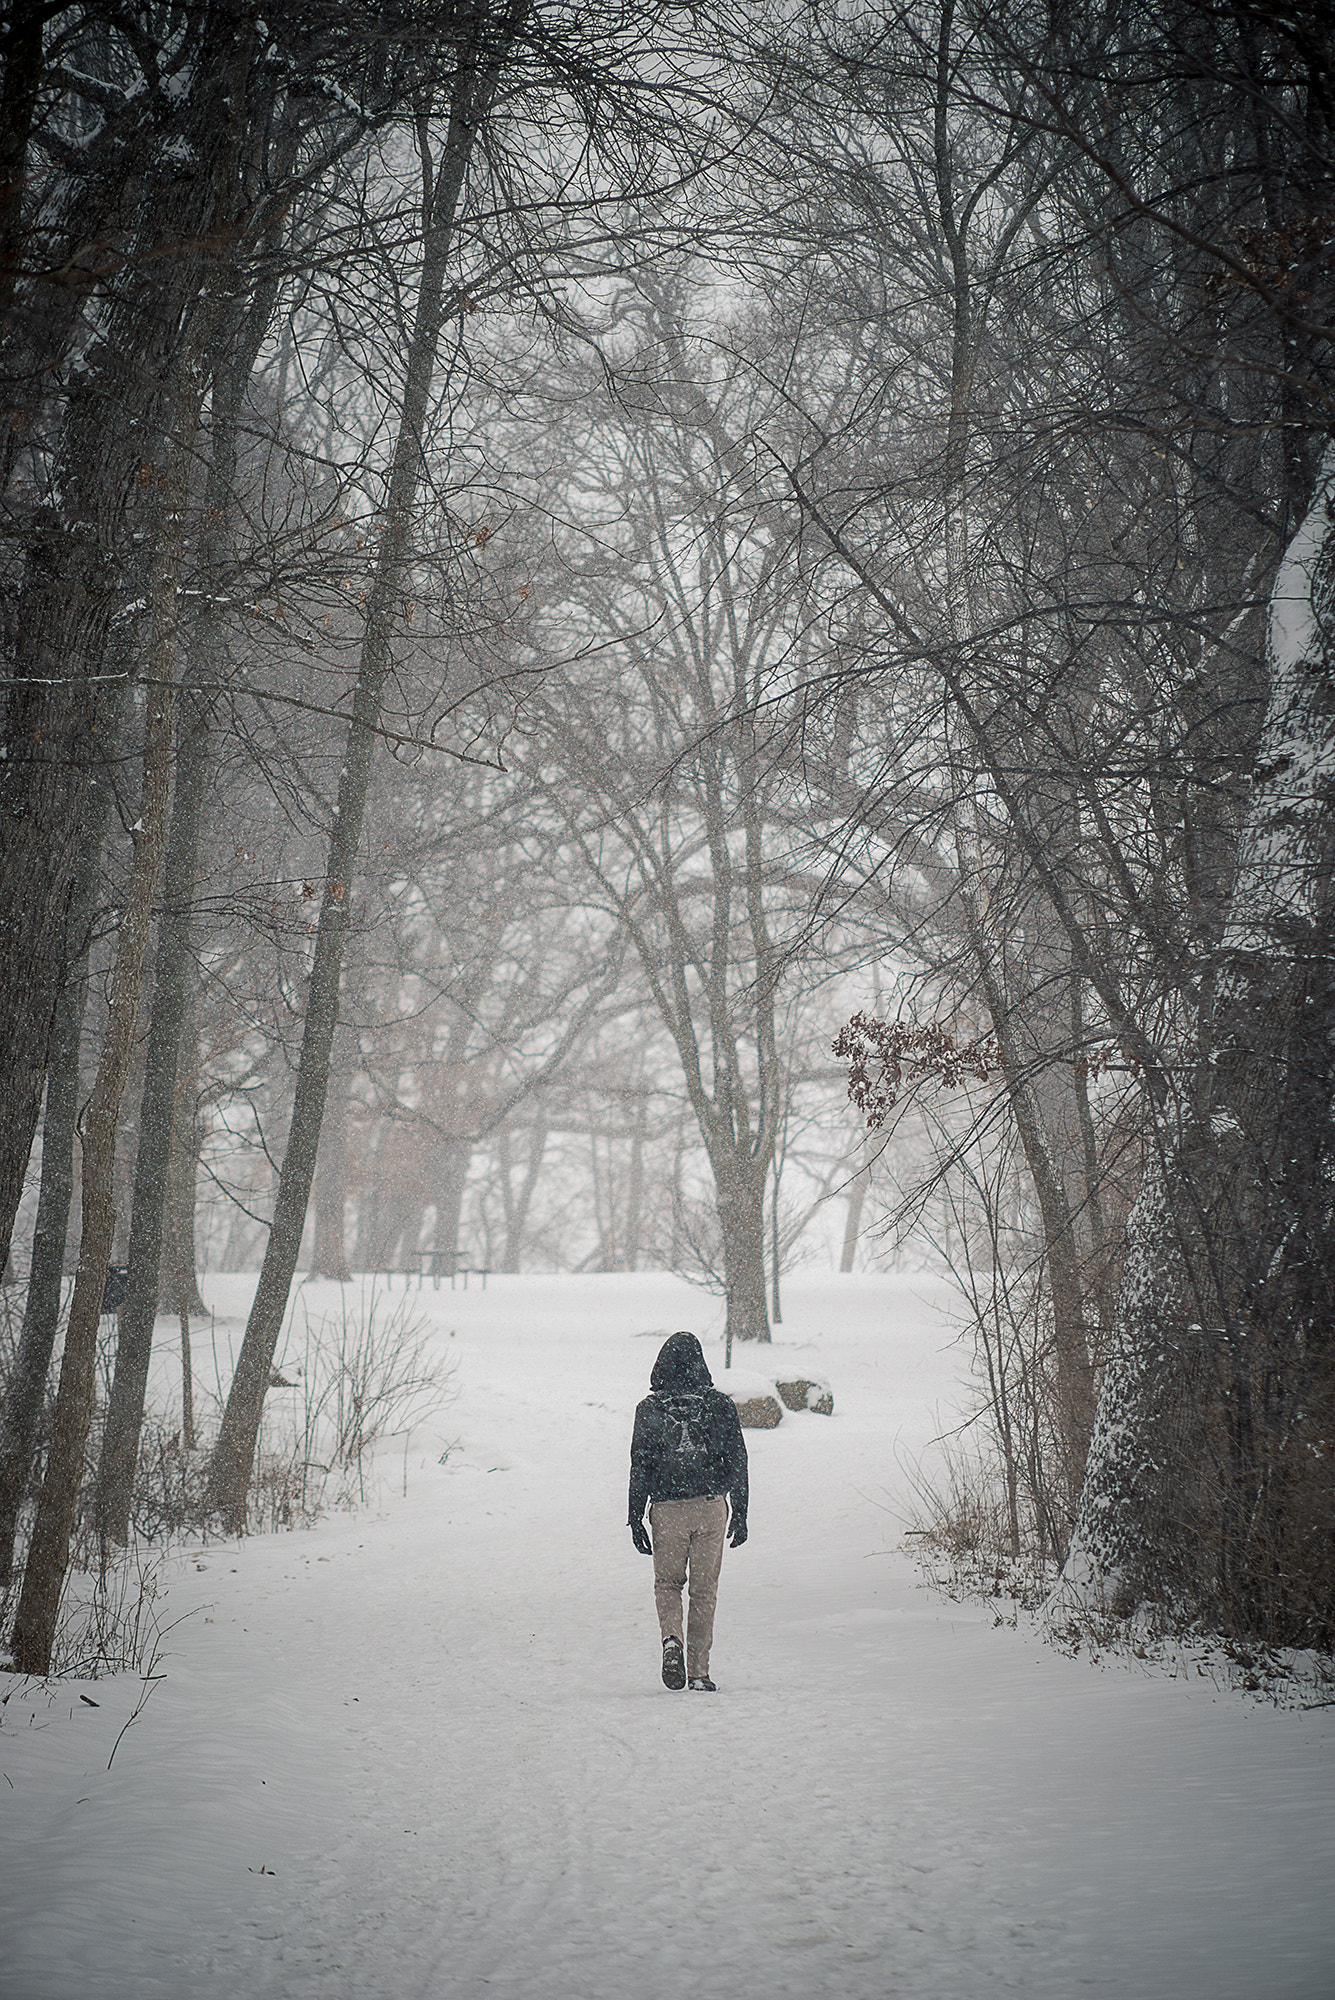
{"points": [[687, 1460]]}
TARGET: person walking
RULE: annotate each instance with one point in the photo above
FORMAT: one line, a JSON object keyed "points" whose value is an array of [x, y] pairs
{"points": [[688, 1461]]}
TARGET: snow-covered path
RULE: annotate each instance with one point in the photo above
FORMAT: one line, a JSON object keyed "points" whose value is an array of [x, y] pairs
{"points": [[439, 1724]]}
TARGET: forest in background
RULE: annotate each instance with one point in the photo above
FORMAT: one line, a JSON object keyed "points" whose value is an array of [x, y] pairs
{"points": [[582, 587]]}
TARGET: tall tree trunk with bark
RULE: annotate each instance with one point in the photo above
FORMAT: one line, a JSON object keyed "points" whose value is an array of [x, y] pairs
{"points": [[26, 1388], [83, 559], [329, 1257], [51, 725], [181, 1271], [635, 1185], [453, 1158], [517, 1214], [1206, 1489], [179, 1264], [1029, 1054], [740, 1183], [858, 1191], [775, 1250], [158, 1110], [479, 63], [21, 47], [49, 1551]]}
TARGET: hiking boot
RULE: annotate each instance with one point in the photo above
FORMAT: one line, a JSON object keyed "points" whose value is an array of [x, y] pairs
{"points": [[701, 1684], [674, 1665]]}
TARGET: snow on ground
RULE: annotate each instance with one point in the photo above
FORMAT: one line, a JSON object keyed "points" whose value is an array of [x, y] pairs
{"points": [[423, 1749]]}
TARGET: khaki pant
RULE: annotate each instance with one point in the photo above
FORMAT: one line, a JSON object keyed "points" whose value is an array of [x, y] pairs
{"points": [[688, 1534]]}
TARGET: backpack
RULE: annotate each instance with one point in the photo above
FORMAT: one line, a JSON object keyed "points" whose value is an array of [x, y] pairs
{"points": [[685, 1446]]}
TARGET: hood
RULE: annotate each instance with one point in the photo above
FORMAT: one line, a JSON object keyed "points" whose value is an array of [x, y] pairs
{"points": [[681, 1366]]}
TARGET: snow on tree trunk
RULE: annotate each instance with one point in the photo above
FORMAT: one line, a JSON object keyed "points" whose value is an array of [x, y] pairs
{"points": [[1207, 1489]]}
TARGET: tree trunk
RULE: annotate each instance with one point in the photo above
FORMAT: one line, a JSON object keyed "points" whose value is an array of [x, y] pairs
{"points": [[776, 1250], [1026, 1066], [182, 1272], [677, 1239], [604, 1208], [183, 1316], [741, 1214], [517, 1220], [82, 562], [329, 1258], [26, 1388], [50, 730], [857, 1196], [1028, 1056], [22, 87], [49, 1552], [472, 88], [370, 1205], [455, 1156], [635, 1188], [159, 1109], [125, 1411], [100, 204], [1204, 1488]]}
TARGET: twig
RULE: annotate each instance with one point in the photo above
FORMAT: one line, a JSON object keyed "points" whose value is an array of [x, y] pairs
{"points": [[150, 1682]]}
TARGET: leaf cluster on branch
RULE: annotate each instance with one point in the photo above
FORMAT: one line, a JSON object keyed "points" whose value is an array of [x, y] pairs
{"points": [[880, 1054]]}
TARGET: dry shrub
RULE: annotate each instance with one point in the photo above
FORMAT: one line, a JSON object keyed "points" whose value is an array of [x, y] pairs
{"points": [[960, 1529], [283, 1494], [366, 1373], [169, 1483], [110, 1620]]}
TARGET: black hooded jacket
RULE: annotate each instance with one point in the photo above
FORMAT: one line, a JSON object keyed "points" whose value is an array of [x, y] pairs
{"points": [[688, 1437]]}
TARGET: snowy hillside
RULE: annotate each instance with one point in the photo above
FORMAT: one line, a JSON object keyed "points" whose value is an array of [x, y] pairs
{"points": [[423, 1749]]}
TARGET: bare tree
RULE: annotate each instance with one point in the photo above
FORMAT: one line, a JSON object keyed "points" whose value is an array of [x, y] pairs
{"points": [[25, 1389], [76, 474], [479, 56], [604, 120], [658, 758], [1087, 538]]}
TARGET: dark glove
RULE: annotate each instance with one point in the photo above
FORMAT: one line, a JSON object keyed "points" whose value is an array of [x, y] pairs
{"points": [[738, 1535], [639, 1534]]}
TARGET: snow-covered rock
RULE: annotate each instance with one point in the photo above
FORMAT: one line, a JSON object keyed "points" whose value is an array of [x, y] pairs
{"points": [[806, 1392], [756, 1398]]}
